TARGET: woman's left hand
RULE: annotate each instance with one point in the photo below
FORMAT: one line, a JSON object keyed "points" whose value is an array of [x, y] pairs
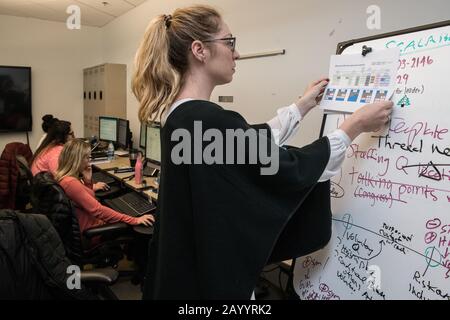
{"points": [[312, 96]]}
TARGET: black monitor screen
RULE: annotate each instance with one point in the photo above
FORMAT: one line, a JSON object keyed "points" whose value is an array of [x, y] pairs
{"points": [[15, 99], [122, 136], [108, 129], [143, 136]]}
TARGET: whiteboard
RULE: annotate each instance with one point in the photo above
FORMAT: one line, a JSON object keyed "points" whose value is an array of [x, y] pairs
{"points": [[391, 201]]}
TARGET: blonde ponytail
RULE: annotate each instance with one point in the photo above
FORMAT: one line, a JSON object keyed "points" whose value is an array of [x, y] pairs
{"points": [[155, 83]]}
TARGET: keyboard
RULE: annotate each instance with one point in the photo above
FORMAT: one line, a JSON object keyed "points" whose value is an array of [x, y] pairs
{"points": [[131, 204], [102, 177]]}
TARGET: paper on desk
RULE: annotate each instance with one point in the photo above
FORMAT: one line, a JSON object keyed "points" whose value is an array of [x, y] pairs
{"points": [[100, 161], [121, 153], [356, 80]]}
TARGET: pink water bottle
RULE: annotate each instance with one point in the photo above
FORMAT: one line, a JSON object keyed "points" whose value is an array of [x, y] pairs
{"points": [[138, 170]]}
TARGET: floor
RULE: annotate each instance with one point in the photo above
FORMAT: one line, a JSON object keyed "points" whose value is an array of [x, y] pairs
{"points": [[268, 287], [125, 290]]}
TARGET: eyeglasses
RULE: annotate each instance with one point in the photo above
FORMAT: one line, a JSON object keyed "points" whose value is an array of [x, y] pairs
{"points": [[230, 42]]}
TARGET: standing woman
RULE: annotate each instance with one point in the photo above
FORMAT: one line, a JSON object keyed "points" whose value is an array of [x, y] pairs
{"points": [[221, 221]]}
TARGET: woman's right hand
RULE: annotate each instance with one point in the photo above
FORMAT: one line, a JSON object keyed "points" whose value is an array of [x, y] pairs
{"points": [[312, 96], [369, 118], [146, 220]]}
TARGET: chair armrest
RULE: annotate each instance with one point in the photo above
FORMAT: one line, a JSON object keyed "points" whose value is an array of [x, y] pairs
{"points": [[107, 276], [106, 230]]}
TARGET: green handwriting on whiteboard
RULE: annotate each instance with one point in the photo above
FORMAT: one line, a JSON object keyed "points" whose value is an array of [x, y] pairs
{"points": [[424, 43]]}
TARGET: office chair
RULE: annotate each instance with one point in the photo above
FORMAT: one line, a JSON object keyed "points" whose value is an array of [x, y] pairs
{"points": [[9, 175], [33, 263], [24, 168], [49, 198]]}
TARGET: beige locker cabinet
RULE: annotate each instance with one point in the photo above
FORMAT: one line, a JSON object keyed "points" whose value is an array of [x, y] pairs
{"points": [[104, 94]]}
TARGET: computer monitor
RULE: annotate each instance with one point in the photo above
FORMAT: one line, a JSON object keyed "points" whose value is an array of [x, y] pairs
{"points": [[123, 134], [153, 143], [143, 136], [108, 129]]}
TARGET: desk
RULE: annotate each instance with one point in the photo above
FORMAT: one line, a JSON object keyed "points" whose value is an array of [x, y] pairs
{"points": [[108, 167], [149, 182], [117, 162], [125, 162]]}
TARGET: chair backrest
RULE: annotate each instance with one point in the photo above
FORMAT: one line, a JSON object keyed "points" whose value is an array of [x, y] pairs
{"points": [[24, 168], [49, 198], [24, 182], [10, 174]]}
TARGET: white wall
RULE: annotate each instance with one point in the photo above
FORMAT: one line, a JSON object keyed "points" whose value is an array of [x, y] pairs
{"points": [[57, 57], [309, 30]]}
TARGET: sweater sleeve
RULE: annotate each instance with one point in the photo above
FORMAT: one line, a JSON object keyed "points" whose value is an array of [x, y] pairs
{"points": [[285, 167], [81, 197], [339, 142], [54, 158], [285, 124]]}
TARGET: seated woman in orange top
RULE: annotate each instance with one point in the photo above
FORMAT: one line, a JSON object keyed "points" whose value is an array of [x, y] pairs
{"points": [[46, 156], [74, 174]]}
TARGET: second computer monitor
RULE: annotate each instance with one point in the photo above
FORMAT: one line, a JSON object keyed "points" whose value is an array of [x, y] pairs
{"points": [[123, 133], [143, 135], [108, 128], [153, 143]]}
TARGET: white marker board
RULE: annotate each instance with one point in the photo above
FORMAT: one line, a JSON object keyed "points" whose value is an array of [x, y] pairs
{"points": [[391, 202]]}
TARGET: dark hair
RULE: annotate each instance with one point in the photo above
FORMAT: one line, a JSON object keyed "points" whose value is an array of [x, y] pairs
{"points": [[47, 122], [57, 134]]}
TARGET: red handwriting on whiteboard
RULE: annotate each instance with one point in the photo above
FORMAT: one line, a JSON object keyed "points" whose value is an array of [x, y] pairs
{"points": [[438, 234], [400, 126], [415, 62], [371, 154]]}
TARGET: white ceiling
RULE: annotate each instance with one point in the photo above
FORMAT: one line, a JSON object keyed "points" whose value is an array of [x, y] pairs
{"points": [[93, 12]]}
